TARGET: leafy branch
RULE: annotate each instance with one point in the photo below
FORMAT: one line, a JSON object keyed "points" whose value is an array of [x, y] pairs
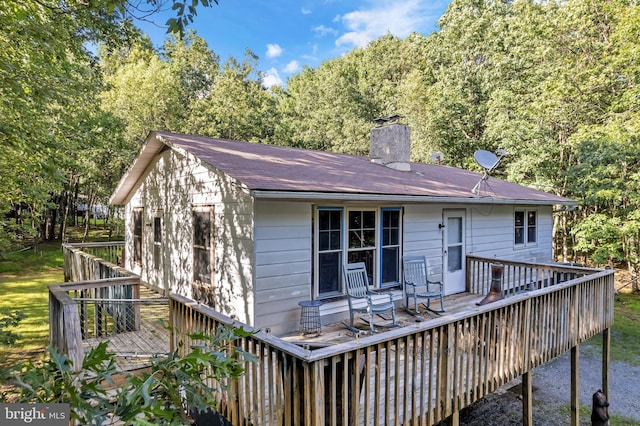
{"points": [[163, 395], [7, 320]]}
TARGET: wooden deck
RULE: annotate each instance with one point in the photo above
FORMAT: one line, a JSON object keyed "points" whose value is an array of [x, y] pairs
{"points": [[336, 333], [135, 349], [420, 373], [425, 371]]}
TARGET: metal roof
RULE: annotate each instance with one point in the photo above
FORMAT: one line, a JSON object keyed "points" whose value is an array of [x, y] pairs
{"points": [[284, 172]]}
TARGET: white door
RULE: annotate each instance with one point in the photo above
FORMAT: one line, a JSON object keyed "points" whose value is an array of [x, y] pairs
{"points": [[454, 250]]}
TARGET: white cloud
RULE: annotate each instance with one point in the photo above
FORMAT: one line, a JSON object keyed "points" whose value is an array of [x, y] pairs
{"points": [[399, 18], [271, 78], [292, 67], [274, 50], [322, 31], [305, 11]]}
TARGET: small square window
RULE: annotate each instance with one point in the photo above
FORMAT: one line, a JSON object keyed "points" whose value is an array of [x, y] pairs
{"points": [[525, 227]]}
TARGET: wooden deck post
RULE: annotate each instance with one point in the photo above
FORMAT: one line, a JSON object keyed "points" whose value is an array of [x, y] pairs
{"points": [[443, 393], [527, 399], [575, 385], [606, 358], [454, 419], [318, 393]]}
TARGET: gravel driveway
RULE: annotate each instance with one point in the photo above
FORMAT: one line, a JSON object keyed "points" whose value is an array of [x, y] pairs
{"points": [[552, 391]]}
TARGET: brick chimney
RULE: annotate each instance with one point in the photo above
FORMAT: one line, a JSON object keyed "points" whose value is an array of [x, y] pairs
{"points": [[391, 144]]}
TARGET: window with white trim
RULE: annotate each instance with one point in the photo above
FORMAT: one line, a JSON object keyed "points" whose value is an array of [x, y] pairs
{"points": [[390, 241], [368, 235], [525, 227], [329, 251], [362, 240]]}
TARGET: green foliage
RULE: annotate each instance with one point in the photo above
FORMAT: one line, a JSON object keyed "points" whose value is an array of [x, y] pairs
{"points": [[624, 338], [9, 319], [27, 293], [332, 107], [185, 12], [54, 380], [157, 397], [599, 236]]}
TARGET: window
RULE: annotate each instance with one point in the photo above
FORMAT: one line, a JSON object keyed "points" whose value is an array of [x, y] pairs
{"points": [[202, 246], [137, 235], [525, 227], [157, 242], [390, 271], [329, 252], [372, 236], [362, 240], [455, 243]]}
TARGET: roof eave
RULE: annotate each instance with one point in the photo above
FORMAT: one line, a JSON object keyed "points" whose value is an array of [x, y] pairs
{"points": [[150, 148], [344, 196]]}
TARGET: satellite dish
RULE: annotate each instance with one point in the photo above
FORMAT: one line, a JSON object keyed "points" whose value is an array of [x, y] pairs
{"points": [[489, 162], [436, 157]]}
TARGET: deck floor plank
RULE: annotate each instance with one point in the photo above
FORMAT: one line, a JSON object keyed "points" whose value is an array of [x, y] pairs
{"points": [[135, 349]]}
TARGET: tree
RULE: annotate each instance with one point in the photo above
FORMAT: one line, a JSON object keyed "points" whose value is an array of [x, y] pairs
{"points": [[238, 107], [332, 107], [144, 94], [195, 67], [48, 83]]}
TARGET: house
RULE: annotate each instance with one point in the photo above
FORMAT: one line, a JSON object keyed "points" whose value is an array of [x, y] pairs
{"points": [[252, 229]]}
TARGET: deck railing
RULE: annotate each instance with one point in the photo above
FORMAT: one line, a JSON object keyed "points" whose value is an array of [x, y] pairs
{"points": [[84, 309], [93, 261], [102, 298], [517, 276], [413, 375]]}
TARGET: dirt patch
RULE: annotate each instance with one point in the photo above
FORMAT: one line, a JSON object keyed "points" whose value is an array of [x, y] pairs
{"points": [[552, 392]]}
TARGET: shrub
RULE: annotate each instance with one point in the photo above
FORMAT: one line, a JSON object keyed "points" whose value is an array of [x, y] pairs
{"points": [[7, 320], [161, 396]]}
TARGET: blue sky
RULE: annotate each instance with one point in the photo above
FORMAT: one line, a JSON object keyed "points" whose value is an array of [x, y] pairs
{"points": [[289, 34]]}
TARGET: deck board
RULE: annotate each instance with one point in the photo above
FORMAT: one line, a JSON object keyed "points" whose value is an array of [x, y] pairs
{"points": [[337, 332], [134, 350]]}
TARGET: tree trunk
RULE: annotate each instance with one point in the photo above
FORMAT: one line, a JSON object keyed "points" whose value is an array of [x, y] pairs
{"points": [[91, 199]]}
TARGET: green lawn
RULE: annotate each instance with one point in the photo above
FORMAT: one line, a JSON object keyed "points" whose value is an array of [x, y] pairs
{"points": [[625, 333], [24, 277]]}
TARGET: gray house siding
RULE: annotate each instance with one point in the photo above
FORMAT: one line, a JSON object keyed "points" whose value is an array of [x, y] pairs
{"points": [[491, 233], [283, 262]]}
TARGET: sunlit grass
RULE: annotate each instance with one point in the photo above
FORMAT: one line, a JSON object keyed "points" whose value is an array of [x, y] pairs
{"points": [[28, 294], [585, 415], [625, 333], [24, 276], [44, 257]]}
